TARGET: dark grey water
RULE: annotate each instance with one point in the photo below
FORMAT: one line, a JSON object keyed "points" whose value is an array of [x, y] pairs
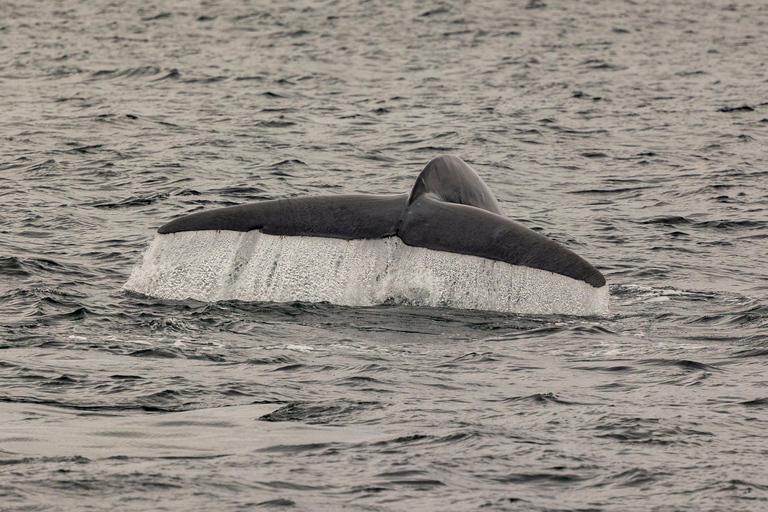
{"points": [[632, 132]]}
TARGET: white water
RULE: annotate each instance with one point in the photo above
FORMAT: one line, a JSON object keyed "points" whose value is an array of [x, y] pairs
{"points": [[229, 265]]}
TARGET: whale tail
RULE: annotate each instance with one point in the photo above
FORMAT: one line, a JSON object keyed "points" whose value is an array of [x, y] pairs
{"points": [[449, 209]]}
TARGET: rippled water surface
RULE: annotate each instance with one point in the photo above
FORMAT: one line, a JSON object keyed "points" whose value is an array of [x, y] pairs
{"points": [[634, 133]]}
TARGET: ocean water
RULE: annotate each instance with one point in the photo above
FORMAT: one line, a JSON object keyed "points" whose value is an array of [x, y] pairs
{"points": [[633, 133]]}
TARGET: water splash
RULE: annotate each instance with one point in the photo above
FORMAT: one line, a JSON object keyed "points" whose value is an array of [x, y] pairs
{"points": [[252, 266]]}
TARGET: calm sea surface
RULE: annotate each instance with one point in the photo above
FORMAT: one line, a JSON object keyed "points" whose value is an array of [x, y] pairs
{"points": [[634, 133]]}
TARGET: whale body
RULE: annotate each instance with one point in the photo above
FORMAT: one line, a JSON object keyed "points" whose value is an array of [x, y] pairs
{"points": [[446, 243]]}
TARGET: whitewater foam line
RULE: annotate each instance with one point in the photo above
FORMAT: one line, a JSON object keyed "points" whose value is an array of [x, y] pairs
{"points": [[252, 266]]}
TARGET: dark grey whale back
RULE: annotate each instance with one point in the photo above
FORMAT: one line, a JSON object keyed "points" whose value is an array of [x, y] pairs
{"points": [[449, 209]]}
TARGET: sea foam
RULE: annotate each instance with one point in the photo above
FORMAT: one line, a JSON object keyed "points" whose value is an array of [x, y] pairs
{"points": [[229, 265]]}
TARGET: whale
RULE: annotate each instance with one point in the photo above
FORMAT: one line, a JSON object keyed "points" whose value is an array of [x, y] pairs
{"points": [[447, 242]]}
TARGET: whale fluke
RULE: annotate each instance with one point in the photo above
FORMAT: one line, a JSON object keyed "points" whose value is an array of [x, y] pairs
{"points": [[448, 209], [445, 243]]}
